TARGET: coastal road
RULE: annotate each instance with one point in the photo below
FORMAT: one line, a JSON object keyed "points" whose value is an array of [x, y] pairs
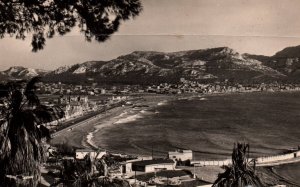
{"points": [[281, 162], [82, 119], [76, 134], [76, 122]]}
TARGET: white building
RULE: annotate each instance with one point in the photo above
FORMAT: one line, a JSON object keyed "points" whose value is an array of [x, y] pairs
{"points": [[81, 153], [127, 166], [182, 155], [153, 165]]}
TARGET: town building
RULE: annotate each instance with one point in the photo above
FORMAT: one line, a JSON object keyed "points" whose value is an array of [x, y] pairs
{"points": [[74, 105], [153, 165], [167, 178], [182, 155]]}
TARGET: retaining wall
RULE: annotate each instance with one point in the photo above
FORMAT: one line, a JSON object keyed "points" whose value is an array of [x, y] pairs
{"points": [[212, 163], [260, 160], [277, 158]]}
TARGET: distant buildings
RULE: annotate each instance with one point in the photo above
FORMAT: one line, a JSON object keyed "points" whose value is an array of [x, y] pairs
{"points": [[74, 105], [182, 155], [186, 86]]}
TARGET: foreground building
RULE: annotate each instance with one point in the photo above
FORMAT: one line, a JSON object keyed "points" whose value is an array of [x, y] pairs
{"points": [[146, 166], [167, 178]]}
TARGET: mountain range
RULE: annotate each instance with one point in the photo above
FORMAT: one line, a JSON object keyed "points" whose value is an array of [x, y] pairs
{"points": [[150, 67], [19, 72]]}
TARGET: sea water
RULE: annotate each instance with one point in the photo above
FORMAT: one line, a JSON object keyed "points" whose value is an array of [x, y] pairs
{"points": [[209, 125]]}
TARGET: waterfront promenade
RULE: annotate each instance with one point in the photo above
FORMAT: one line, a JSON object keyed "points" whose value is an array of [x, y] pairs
{"points": [[260, 161]]}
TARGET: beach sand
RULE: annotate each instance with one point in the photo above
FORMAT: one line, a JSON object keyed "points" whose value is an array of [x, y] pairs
{"points": [[82, 136], [77, 137]]}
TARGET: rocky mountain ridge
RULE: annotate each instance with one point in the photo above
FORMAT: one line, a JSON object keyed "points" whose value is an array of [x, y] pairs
{"points": [[286, 61], [148, 67], [19, 72]]}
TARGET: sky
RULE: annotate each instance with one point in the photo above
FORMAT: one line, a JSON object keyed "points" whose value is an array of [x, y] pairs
{"points": [[248, 26]]}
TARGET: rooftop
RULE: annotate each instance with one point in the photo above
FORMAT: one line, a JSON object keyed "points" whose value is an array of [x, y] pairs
{"points": [[181, 151], [88, 150], [165, 173], [152, 162]]}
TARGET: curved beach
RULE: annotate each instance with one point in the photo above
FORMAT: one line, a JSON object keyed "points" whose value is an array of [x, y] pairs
{"points": [[82, 136], [78, 136], [123, 129], [208, 125]]}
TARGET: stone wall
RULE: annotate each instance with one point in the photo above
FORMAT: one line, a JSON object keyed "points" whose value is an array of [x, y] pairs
{"points": [[260, 160]]}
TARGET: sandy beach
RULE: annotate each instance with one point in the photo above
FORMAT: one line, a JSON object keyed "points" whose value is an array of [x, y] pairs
{"points": [[77, 137], [82, 136]]}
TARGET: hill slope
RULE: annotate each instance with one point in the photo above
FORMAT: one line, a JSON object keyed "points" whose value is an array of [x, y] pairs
{"points": [[286, 61], [19, 72], [146, 67]]}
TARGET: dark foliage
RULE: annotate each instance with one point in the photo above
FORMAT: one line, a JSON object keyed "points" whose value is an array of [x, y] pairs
{"points": [[65, 149], [21, 133], [241, 173], [87, 172], [96, 19]]}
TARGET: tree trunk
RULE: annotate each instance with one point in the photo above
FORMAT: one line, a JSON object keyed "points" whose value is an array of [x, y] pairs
{"points": [[9, 182], [21, 165]]}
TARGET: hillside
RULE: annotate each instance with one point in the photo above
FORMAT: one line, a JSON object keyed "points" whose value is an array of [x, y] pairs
{"points": [[285, 61], [19, 72], [147, 67], [151, 67]]}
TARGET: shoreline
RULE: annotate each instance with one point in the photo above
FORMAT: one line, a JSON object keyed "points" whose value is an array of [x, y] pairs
{"points": [[121, 115], [160, 100], [81, 136], [76, 137], [84, 135], [129, 114]]}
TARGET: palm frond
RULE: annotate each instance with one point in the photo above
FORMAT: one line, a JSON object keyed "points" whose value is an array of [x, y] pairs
{"points": [[16, 100], [46, 114], [240, 174], [21, 151], [56, 112], [42, 114], [44, 132], [4, 90], [30, 91]]}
